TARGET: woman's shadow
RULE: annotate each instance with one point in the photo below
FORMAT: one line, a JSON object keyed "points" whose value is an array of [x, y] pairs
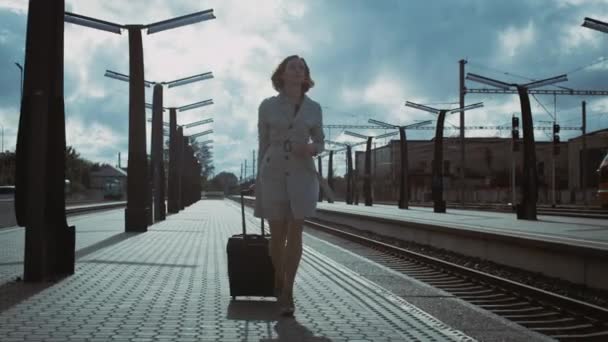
{"points": [[288, 329]]}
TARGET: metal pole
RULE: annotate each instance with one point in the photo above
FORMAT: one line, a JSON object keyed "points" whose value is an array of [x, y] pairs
{"points": [[157, 149], [330, 174], [403, 177], [21, 71], [2, 151], [584, 156], [320, 167], [253, 167], [136, 214], [40, 153], [463, 91], [513, 183], [553, 179], [437, 180], [367, 177], [553, 154], [527, 209], [349, 175], [173, 181]]}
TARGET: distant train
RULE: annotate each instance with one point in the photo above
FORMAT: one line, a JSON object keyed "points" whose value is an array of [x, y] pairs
{"points": [[602, 189], [112, 189]]}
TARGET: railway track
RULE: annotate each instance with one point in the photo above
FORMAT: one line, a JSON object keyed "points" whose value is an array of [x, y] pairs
{"points": [[541, 210], [551, 314]]}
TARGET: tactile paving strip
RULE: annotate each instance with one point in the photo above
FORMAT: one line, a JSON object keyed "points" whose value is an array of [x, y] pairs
{"points": [[171, 284]]}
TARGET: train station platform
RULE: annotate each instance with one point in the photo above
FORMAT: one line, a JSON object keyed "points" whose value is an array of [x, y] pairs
{"points": [[570, 248], [587, 232], [171, 284]]}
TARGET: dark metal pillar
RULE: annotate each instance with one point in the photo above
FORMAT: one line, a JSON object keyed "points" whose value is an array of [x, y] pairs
{"points": [[437, 181], [157, 149], [320, 167], [404, 187], [527, 209], [349, 175], [183, 165], [173, 181], [463, 91], [136, 214], [161, 191], [584, 155], [367, 176], [40, 169], [330, 174]]}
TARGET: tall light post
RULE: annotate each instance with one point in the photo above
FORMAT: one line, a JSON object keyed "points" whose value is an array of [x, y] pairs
{"points": [[437, 178], [156, 197], [404, 190], [601, 26], [136, 214], [175, 142], [367, 177], [21, 71], [527, 209], [349, 166], [40, 153]]}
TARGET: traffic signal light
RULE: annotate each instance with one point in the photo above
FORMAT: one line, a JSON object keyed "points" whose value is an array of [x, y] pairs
{"points": [[555, 138], [515, 127]]}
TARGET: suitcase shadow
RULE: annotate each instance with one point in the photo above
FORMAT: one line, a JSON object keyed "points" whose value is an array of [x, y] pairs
{"points": [[253, 310], [286, 329]]}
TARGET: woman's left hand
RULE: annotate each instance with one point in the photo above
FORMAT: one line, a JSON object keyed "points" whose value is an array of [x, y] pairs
{"points": [[304, 150]]}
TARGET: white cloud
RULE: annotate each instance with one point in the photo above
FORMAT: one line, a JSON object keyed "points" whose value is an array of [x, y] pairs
{"points": [[513, 40], [17, 6]]}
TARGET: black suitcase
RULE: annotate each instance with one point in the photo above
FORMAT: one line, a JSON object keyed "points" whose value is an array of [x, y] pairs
{"points": [[250, 270]]}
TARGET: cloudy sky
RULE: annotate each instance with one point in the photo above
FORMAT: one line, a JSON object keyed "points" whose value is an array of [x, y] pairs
{"points": [[367, 58]]}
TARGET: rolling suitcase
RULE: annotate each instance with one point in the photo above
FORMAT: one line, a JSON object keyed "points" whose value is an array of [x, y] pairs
{"points": [[250, 270]]}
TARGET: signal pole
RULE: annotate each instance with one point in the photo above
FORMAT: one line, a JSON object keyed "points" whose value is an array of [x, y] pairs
{"points": [[515, 148], [462, 93], [555, 153], [584, 156]]}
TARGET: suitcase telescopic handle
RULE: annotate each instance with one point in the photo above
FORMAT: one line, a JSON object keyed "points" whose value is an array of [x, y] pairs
{"points": [[243, 217], [243, 214]]}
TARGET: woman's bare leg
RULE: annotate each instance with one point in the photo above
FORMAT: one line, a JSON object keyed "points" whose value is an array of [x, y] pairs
{"points": [[293, 254], [278, 233]]}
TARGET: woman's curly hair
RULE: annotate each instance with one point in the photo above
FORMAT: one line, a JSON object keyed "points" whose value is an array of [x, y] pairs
{"points": [[277, 82]]}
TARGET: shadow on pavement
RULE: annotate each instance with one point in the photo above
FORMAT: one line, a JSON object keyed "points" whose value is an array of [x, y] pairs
{"points": [[286, 329], [14, 292], [112, 240]]}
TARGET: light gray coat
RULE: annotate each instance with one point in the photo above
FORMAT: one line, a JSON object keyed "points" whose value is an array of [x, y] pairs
{"points": [[287, 186]]}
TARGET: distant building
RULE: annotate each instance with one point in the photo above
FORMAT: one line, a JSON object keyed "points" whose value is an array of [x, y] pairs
{"points": [[488, 168], [108, 173]]}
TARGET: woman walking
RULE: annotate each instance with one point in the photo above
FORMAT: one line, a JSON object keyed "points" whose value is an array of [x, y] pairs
{"points": [[290, 133]]}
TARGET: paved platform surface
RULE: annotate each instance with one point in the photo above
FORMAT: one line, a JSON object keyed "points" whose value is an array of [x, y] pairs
{"points": [[171, 284], [575, 231]]}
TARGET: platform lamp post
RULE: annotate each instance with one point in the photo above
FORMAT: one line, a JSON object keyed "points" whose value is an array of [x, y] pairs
{"points": [[601, 26], [349, 166], [136, 213], [527, 209], [437, 178], [185, 155], [175, 139], [21, 72], [157, 171], [320, 170], [404, 188], [40, 154], [367, 177]]}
